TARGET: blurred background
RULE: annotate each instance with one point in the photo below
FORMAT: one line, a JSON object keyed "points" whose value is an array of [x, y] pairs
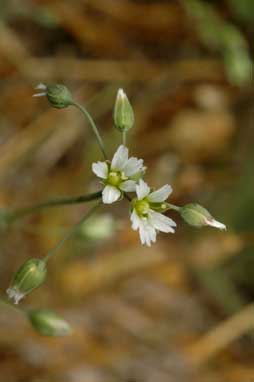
{"points": [[178, 311]]}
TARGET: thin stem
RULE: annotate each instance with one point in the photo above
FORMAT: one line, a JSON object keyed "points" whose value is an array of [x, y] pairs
{"points": [[93, 125], [8, 303], [71, 232], [173, 207], [21, 212], [124, 138]]}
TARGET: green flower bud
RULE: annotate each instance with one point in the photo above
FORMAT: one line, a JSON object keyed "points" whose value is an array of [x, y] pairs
{"points": [[29, 276], [58, 95], [48, 323], [198, 216], [123, 112]]}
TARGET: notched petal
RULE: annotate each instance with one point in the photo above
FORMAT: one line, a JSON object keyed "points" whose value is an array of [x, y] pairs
{"points": [[110, 194], [100, 169]]}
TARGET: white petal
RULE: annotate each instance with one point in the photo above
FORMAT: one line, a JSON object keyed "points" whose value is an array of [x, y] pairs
{"points": [[151, 232], [110, 194], [133, 166], [128, 186], [136, 220], [160, 222], [41, 86], [161, 194], [100, 169], [147, 233], [216, 224], [142, 189], [120, 158], [143, 236], [121, 94], [39, 94]]}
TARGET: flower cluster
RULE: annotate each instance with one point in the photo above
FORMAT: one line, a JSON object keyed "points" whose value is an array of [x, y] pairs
{"points": [[124, 174]]}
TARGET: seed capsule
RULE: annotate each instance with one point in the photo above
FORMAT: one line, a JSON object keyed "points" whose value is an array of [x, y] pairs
{"points": [[29, 276]]}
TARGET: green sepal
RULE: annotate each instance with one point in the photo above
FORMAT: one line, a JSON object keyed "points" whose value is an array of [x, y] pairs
{"points": [[59, 96], [195, 215]]}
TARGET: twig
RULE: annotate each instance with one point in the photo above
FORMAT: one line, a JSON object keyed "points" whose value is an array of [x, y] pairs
{"points": [[21, 212]]}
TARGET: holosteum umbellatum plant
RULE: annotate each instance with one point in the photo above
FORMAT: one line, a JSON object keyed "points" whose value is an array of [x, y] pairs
{"points": [[121, 176]]}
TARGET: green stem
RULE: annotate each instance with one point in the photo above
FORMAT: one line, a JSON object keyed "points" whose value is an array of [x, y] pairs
{"points": [[173, 207], [93, 125], [124, 138], [21, 212], [71, 232], [4, 301]]}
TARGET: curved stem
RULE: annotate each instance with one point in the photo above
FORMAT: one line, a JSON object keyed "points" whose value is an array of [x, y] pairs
{"points": [[93, 125], [21, 212], [71, 232]]}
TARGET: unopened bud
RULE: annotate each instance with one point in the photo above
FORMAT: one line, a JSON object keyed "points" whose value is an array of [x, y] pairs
{"points": [[58, 95], [48, 323], [29, 276], [198, 216], [123, 112]]}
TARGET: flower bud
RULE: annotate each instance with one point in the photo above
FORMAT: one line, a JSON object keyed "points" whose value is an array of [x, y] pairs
{"points": [[123, 112], [29, 276], [58, 95], [48, 323], [198, 216]]}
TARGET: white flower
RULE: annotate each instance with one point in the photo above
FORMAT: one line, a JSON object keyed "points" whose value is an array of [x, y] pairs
{"points": [[41, 87], [118, 176], [146, 216]]}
